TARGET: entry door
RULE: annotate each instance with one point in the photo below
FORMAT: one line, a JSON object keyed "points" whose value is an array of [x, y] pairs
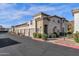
{"points": [[45, 29]]}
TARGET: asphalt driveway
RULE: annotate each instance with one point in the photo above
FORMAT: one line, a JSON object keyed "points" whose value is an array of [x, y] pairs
{"points": [[29, 47]]}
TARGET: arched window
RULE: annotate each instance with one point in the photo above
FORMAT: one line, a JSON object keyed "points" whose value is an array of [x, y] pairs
{"points": [[63, 29], [54, 29], [58, 21]]}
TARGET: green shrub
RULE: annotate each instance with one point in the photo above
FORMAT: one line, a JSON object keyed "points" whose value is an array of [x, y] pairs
{"points": [[44, 36], [53, 35], [76, 37], [39, 35], [34, 35], [56, 34]]}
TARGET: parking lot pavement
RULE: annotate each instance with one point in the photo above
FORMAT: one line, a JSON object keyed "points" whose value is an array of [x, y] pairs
{"points": [[29, 47]]}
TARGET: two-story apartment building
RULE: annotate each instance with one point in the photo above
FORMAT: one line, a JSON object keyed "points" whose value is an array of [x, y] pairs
{"points": [[44, 24]]}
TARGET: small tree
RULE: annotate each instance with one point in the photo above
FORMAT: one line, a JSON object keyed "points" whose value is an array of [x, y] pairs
{"points": [[44, 36], [39, 35], [76, 37], [34, 35], [56, 34]]}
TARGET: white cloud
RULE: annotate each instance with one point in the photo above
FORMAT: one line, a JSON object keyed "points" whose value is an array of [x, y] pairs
{"points": [[8, 13], [3, 6], [41, 8], [45, 8], [13, 14]]}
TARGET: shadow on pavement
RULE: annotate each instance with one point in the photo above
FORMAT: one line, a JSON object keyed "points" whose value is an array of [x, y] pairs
{"points": [[7, 42], [2, 32]]}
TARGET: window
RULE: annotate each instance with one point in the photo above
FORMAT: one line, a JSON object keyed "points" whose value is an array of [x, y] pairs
{"points": [[63, 29], [63, 21], [31, 22], [58, 21], [45, 29], [53, 20], [54, 29]]}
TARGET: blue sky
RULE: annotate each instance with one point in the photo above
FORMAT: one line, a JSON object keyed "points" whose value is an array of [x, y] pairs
{"points": [[18, 13]]}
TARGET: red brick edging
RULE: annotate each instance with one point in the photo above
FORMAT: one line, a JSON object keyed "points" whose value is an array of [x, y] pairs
{"points": [[71, 46], [37, 39]]}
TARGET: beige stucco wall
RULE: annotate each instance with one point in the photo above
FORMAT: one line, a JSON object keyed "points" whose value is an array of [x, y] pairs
{"points": [[39, 23], [40, 26], [52, 23], [31, 28], [76, 22], [20, 29]]}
